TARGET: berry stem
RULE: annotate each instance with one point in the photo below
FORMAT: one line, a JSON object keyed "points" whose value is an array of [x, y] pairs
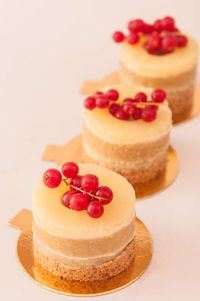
{"points": [[81, 190], [143, 104]]}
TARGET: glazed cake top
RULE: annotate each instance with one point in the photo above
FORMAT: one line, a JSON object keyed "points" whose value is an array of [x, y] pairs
{"points": [[54, 218], [103, 124], [138, 60]]}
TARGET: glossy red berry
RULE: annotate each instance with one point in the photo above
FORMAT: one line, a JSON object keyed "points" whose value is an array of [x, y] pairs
{"points": [[52, 178], [67, 197], [153, 107], [105, 193], [102, 101], [118, 36], [137, 25], [175, 29], [128, 100], [99, 93], [112, 94], [137, 114], [157, 25], [70, 170], [113, 108], [89, 182], [90, 198], [90, 103], [136, 100], [158, 95], [168, 43], [181, 40], [79, 201], [168, 23], [148, 28], [154, 42], [128, 108], [95, 209], [76, 182], [140, 97], [120, 114], [133, 38], [148, 114], [148, 49]]}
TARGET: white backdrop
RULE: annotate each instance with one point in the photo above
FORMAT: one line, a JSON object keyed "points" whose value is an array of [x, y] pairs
{"points": [[47, 49]]}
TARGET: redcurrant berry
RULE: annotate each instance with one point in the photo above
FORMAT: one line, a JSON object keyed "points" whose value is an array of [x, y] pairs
{"points": [[52, 178], [76, 182], [67, 197], [118, 36], [105, 193], [148, 28], [175, 29], [158, 95], [102, 101], [133, 38], [168, 43], [113, 108], [137, 114], [137, 25], [112, 94], [78, 201], [99, 93], [128, 108], [95, 209], [148, 114], [90, 103], [89, 182], [90, 198], [128, 100], [154, 41], [140, 97], [181, 40], [148, 49], [157, 25], [120, 114], [70, 170], [153, 107], [168, 23]]}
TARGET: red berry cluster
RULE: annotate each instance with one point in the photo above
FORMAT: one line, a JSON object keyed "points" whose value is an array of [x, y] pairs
{"points": [[162, 36], [101, 100], [84, 191], [131, 108]]}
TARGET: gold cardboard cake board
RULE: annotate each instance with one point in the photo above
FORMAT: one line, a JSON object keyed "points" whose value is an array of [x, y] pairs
{"points": [[143, 254], [72, 151], [90, 87]]}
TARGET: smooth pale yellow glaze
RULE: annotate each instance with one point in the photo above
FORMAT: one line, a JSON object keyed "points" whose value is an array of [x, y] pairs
{"points": [[137, 59], [58, 220], [109, 128]]}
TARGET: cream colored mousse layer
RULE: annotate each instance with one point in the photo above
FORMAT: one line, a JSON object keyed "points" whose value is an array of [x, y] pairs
{"points": [[174, 72], [138, 60], [126, 146], [73, 238]]}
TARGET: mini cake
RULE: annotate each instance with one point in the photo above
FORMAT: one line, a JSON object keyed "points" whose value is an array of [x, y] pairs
{"points": [[161, 58], [78, 244], [135, 148]]}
